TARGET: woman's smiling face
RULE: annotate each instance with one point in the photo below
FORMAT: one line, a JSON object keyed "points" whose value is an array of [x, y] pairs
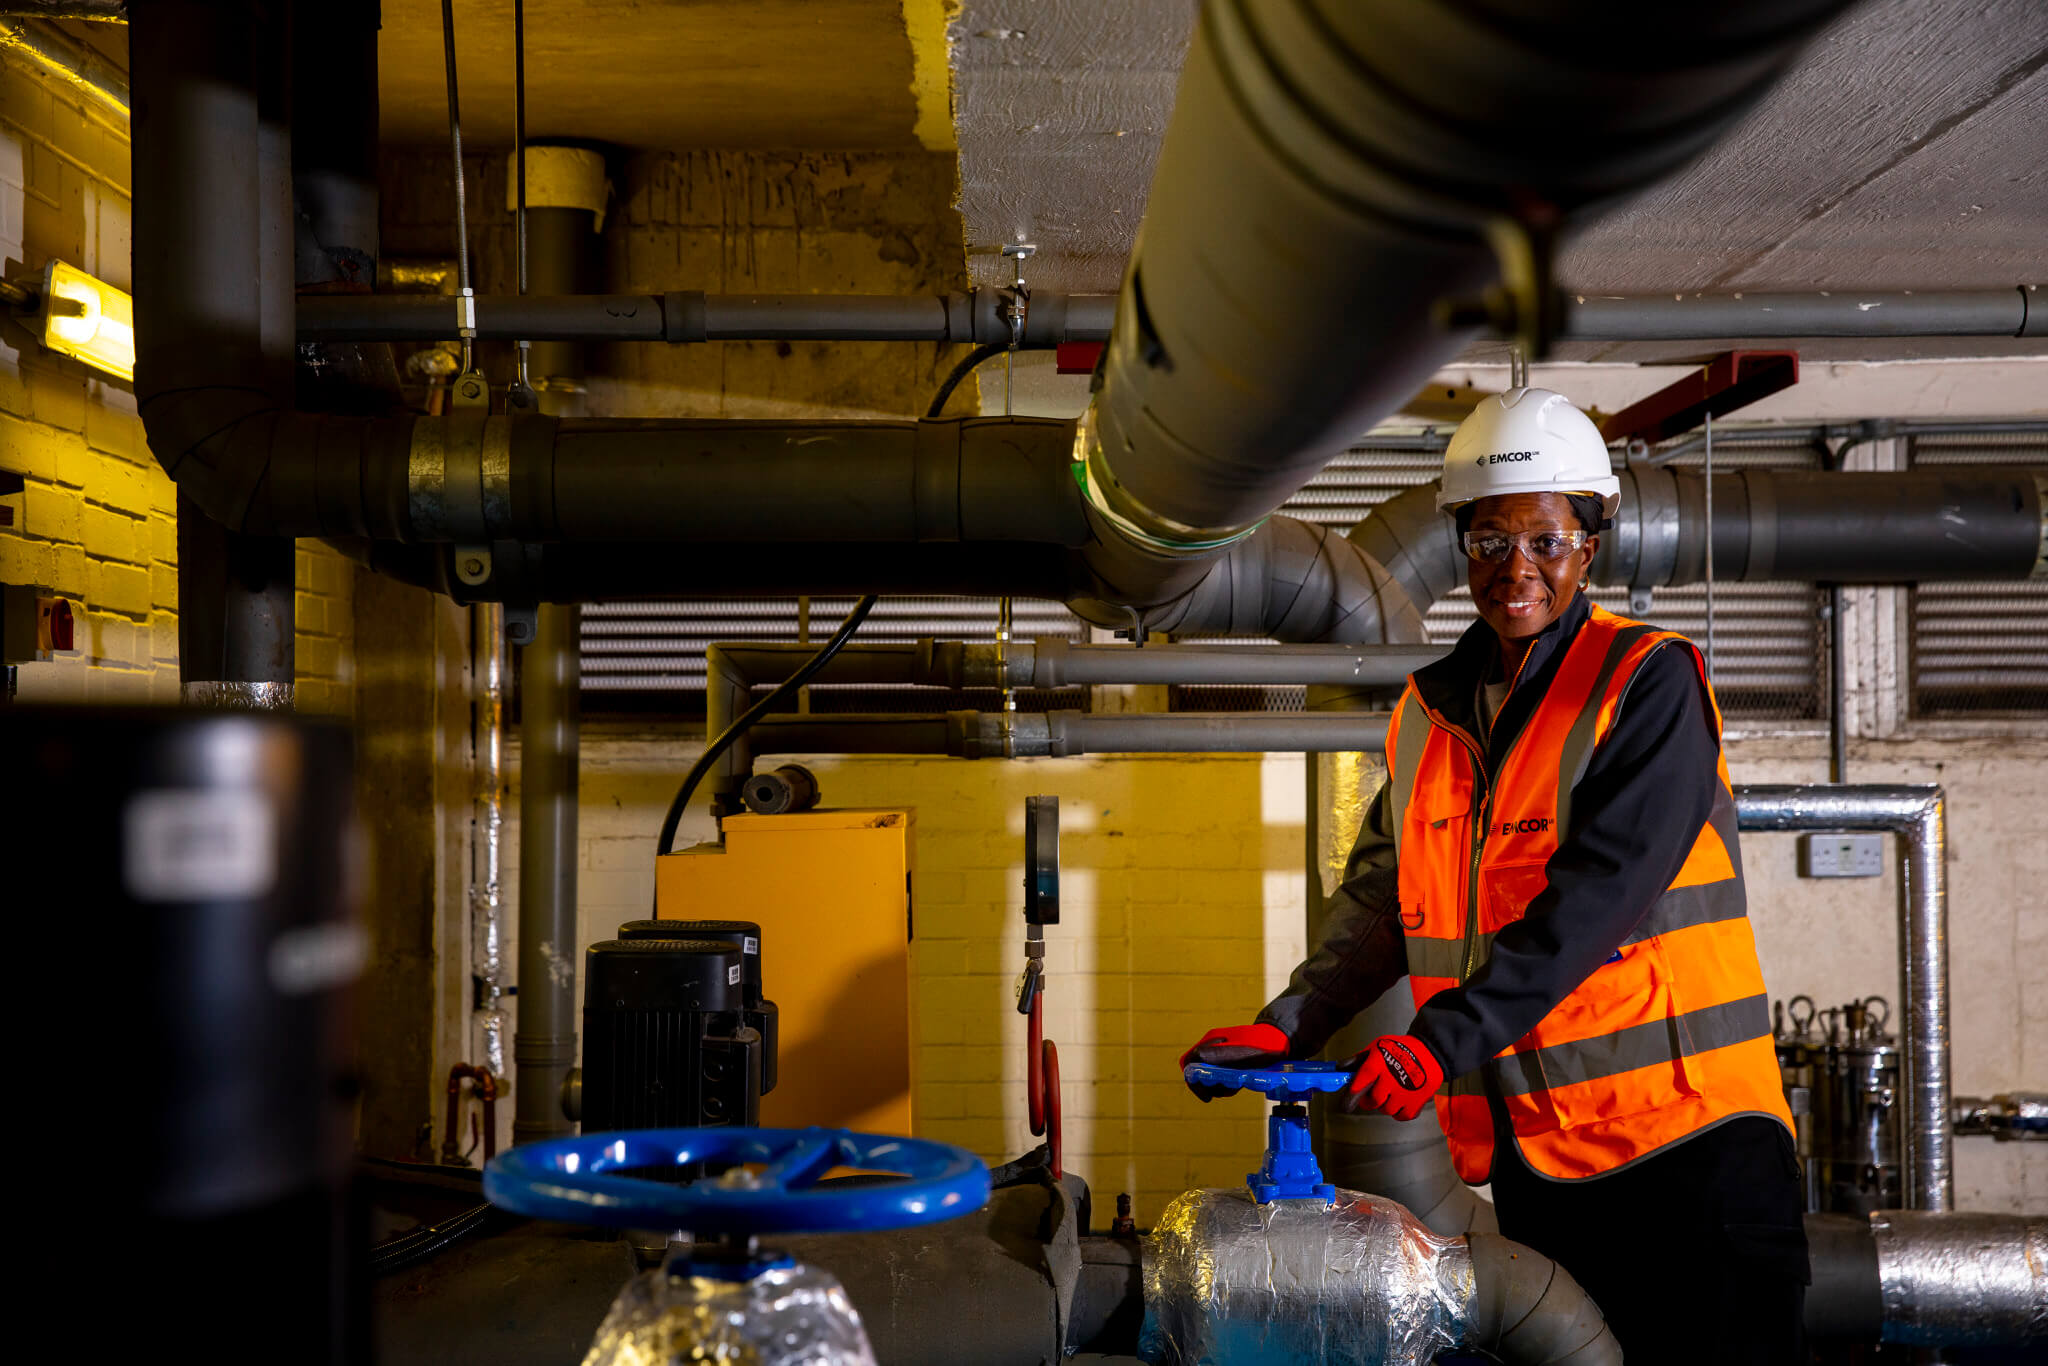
{"points": [[1520, 596]]}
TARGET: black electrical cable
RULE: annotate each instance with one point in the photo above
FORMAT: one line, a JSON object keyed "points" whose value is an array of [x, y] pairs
{"points": [[430, 1240], [968, 362], [719, 746]]}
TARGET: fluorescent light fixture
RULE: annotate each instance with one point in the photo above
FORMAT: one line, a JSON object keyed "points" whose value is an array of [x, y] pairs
{"points": [[89, 320]]}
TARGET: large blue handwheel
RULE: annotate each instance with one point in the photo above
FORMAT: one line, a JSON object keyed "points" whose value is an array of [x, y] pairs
{"points": [[770, 1184], [1283, 1083]]}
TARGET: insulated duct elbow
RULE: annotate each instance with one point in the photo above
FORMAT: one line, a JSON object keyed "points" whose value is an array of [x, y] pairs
{"points": [[1388, 143], [1292, 580]]}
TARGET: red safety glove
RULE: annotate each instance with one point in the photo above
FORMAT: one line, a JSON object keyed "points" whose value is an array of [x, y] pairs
{"points": [[1252, 1045], [1396, 1076]]}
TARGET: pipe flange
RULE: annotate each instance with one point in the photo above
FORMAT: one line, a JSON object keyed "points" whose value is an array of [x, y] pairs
{"points": [[1142, 527]]}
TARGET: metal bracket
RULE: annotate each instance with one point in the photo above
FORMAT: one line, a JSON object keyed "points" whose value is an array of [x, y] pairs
{"points": [[1731, 380], [471, 390], [473, 564], [522, 622], [1641, 600]]}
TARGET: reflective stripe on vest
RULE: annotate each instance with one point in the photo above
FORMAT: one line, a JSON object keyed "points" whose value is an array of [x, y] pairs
{"points": [[1669, 1036]]}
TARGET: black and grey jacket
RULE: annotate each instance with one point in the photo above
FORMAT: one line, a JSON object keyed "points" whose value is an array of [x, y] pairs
{"points": [[1634, 816]]}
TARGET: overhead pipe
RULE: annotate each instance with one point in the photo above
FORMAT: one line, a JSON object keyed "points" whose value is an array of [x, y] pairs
{"points": [[102, 85], [2021, 311], [1385, 143], [1902, 526], [975, 318], [1066, 734], [680, 316], [1231, 375], [732, 671]]}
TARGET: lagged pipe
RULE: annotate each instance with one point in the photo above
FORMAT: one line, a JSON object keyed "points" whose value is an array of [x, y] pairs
{"points": [[1840, 527], [1357, 1281], [1233, 372], [1917, 816]]}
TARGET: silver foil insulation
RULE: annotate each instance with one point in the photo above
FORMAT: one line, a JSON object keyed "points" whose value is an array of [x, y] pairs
{"points": [[1961, 1279], [792, 1316], [1356, 1283]]}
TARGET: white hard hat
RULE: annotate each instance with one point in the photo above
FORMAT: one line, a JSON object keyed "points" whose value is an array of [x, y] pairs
{"points": [[1526, 441]]}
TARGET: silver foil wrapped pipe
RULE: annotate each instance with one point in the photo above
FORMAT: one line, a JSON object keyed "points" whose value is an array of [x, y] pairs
{"points": [[1356, 1282], [1962, 1279]]}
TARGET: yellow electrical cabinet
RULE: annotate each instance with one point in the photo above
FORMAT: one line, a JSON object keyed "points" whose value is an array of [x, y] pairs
{"points": [[831, 892]]}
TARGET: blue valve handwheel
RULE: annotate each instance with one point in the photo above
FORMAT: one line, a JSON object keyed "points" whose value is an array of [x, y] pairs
{"points": [[1284, 1083], [770, 1185]]}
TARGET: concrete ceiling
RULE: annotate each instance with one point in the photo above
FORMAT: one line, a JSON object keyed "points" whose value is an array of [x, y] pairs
{"points": [[811, 74], [1904, 152]]}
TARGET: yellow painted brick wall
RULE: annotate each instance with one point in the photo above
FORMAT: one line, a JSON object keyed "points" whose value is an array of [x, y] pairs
{"points": [[96, 521], [1182, 885]]}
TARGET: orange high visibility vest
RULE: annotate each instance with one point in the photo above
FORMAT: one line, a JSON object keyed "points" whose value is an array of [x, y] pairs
{"points": [[1667, 1039]]}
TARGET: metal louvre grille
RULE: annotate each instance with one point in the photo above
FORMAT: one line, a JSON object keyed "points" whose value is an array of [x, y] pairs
{"points": [[650, 655], [1980, 649]]}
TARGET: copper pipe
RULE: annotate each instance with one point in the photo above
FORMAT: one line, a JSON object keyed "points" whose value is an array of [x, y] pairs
{"points": [[485, 1084]]}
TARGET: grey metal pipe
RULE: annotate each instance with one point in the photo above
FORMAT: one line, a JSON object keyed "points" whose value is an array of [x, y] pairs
{"points": [[1053, 662], [1006, 735], [103, 86], [1928, 1279], [2021, 311], [693, 316], [544, 1046], [686, 316], [1917, 816]]}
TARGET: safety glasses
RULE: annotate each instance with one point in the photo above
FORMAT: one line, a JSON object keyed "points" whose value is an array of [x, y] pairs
{"points": [[1539, 547]]}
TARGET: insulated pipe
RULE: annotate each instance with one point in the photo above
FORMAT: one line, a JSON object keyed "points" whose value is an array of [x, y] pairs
{"points": [[692, 316], [1407, 1161], [1928, 1279], [1841, 527], [1007, 735], [1383, 142], [1527, 1308], [1917, 816], [544, 1046], [1292, 580], [102, 86]]}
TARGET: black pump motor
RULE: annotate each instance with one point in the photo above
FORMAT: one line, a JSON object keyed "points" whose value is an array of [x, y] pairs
{"points": [[666, 1043], [744, 935]]}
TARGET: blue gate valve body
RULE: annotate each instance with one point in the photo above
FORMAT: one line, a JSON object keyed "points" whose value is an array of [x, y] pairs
{"points": [[1289, 1171]]}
